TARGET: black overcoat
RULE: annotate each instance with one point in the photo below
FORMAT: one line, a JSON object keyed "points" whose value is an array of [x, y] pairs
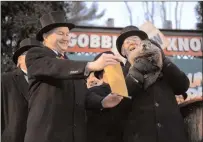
{"points": [[105, 124], [56, 104], [155, 115], [14, 106]]}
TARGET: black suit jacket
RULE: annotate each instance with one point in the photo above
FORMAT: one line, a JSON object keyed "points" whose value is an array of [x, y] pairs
{"points": [[105, 125], [57, 98], [14, 106]]}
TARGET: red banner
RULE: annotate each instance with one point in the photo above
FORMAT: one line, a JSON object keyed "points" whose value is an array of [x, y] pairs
{"points": [[103, 41]]}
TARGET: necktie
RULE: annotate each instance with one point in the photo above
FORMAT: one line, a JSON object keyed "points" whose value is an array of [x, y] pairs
{"points": [[62, 56]]}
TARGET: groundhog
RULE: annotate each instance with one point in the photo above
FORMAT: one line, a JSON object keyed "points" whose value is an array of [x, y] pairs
{"points": [[147, 59]]}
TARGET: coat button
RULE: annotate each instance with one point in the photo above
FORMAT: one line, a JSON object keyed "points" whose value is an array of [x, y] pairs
{"points": [[156, 104], [159, 125], [74, 125]]}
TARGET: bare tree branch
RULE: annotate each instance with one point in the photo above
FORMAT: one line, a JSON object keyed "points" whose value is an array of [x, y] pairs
{"points": [[176, 15], [80, 13], [129, 11], [180, 14], [146, 10], [152, 13], [163, 12]]}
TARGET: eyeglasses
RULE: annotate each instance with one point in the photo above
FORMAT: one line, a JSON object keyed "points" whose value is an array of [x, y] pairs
{"points": [[130, 44], [132, 39]]}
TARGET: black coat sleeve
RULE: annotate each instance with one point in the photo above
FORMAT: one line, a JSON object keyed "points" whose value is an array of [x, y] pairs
{"points": [[5, 78], [93, 101], [2, 108], [175, 77], [40, 63]]}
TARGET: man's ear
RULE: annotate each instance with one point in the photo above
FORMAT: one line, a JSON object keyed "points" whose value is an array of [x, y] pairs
{"points": [[44, 36], [123, 52], [19, 61]]}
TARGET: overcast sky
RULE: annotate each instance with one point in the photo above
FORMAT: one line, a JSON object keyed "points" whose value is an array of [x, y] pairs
{"points": [[119, 12]]}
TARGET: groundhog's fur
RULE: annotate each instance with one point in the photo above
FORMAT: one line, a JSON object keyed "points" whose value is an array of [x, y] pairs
{"points": [[147, 59]]}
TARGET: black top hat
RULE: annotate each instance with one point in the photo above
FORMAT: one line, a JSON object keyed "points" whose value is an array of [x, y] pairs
{"points": [[127, 32], [52, 20], [25, 45]]}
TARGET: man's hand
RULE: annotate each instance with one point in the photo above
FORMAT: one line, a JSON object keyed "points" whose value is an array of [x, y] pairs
{"points": [[103, 61], [111, 100], [179, 99]]}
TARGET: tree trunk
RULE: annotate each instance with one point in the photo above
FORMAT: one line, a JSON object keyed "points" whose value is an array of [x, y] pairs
{"points": [[130, 12], [152, 13], [176, 15]]}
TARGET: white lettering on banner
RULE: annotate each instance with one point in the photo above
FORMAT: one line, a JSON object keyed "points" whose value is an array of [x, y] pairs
{"points": [[195, 79], [73, 40], [195, 91], [99, 42], [195, 44], [184, 44], [95, 41], [83, 40], [92, 41], [195, 83], [106, 41], [172, 46], [114, 40]]}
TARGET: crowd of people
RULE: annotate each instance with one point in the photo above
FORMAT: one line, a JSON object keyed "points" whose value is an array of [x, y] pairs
{"points": [[50, 98]]}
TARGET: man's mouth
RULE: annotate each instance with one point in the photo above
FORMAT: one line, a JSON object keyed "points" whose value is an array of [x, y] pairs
{"points": [[64, 43], [131, 48]]}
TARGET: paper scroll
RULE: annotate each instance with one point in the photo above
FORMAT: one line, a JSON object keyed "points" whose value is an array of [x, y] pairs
{"points": [[116, 80]]}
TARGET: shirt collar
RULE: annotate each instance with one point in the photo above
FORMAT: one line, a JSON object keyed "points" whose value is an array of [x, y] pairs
{"points": [[57, 53], [25, 72]]}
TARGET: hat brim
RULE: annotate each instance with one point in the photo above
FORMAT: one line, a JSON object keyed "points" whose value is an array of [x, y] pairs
{"points": [[47, 28], [122, 37], [20, 51]]}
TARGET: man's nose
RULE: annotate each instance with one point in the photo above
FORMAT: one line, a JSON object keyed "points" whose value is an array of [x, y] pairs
{"points": [[93, 82], [66, 37]]}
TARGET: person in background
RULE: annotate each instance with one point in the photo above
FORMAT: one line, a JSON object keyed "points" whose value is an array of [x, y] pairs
{"points": [[93, 81], [105, 121], [14, 95]]}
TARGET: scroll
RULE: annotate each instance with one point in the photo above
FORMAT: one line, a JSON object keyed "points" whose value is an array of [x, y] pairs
{"points": [[116, 80]]}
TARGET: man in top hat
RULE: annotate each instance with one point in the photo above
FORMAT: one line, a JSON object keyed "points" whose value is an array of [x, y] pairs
{"points": [[154, 115], [57, 85], [14, 96]]}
